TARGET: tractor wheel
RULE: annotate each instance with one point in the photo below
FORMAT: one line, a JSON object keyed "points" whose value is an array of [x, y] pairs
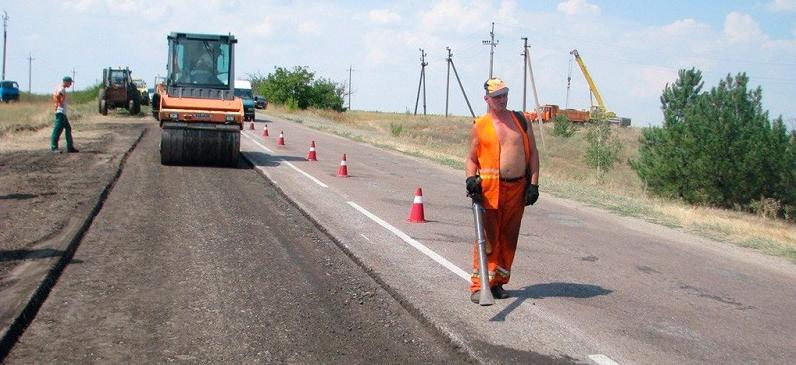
{"points": [[155, 105], [102, 103]]}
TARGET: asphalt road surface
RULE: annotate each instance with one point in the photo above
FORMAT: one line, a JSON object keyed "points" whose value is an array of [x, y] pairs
{"points": [[213, 265]]}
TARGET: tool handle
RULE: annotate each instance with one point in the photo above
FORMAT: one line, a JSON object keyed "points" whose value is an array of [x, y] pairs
{"points": [[486, 294]]}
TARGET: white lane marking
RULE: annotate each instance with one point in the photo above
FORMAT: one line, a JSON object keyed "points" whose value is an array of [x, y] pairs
{"points": [[287, 163], [601, 359], [412, 242], [257, 143]]}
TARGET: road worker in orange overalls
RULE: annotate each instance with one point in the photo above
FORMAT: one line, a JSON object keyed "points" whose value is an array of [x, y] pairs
{"points": [[503, 175]]}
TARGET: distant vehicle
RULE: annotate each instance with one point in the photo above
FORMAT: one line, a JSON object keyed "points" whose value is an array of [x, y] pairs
{"points": [[260, 102], [243, 90], [117, 90], [9, 90], [141, 86]]}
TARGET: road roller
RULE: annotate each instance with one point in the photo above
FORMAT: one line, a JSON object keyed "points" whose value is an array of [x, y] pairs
{"points": [[200, 117]]}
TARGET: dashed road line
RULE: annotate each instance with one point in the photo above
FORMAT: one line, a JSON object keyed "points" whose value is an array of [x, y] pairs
{"points": [[414, 243], [601, 359], [286, 162]]}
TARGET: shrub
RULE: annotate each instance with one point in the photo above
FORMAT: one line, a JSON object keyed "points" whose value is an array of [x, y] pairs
{"points": [[396, 129], [562, 127], [603, 147]]}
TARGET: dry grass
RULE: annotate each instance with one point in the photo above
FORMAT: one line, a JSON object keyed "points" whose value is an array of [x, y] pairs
{"points": [[564, 173], [24, 116]]}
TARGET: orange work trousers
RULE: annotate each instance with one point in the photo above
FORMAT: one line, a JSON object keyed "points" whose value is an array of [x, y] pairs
{"points": [[502, 228]]}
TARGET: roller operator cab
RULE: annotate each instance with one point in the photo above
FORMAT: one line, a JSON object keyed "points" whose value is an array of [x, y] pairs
{"points": [[199, 115]]}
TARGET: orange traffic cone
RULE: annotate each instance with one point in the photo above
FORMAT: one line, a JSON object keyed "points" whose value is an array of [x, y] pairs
{"points": [[311, 156], [343, 170], [416, 214], [251, 125], [281, 140], [265, 131]]}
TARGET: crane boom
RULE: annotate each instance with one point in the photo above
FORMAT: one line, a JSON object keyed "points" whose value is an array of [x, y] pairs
{"points": [[592, 86]]}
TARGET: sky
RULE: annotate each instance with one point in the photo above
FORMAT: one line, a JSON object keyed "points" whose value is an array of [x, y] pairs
{"points": [[631, 48]]}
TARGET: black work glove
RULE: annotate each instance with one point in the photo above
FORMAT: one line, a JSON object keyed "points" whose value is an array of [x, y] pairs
{"points": [[531, 194], [474, 191]]}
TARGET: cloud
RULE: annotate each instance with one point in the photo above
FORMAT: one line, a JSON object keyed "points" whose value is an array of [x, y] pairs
{"points": [[383, 16], [456, 16], [648, 81], [403, 45], [309, 28], [265, 28], [578, 7], [781, 5], [741, 28], [684, 27], [452, 15]]}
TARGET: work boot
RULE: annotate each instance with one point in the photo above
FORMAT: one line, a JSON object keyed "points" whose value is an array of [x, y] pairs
{"points": [[72, 150], [55, 150], [499, 293], [475, 297]]}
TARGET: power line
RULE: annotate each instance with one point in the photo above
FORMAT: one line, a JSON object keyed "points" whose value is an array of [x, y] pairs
{"points": [[423, 65], [350, 70], [450, 64], [5, 36], [30, 62], [491, 43]]}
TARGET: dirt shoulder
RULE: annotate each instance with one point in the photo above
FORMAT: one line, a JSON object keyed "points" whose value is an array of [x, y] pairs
{"points": [[45, 198]]}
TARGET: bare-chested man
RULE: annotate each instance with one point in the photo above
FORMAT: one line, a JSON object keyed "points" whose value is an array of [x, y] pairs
{"points": [[502, 174]]}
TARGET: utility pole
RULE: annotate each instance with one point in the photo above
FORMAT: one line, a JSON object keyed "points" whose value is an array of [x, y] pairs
{"points": [[535, 95], [569, 79], [350, 70], [74, 80], [5, 37], [450, 64], [492, 43], [524, 71], [423, 65], [30, 62], [448, 80]]}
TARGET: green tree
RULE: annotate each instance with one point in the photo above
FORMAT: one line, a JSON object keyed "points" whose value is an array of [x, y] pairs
{"points": [[562, 127], [717, 147], [298, 88], [327, 94], [663, 163], [603, 147]]}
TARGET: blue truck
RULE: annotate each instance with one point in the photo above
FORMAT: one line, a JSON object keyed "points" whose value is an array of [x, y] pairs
{"points": [[9, 91]]}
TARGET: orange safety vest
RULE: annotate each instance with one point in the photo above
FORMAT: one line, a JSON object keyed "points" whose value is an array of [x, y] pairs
{"points": [[488, 154]]}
